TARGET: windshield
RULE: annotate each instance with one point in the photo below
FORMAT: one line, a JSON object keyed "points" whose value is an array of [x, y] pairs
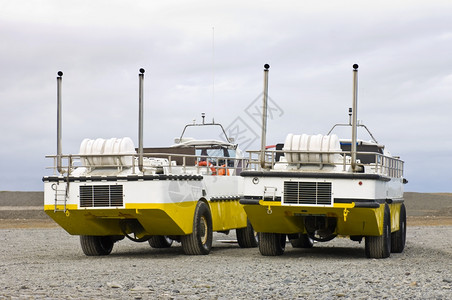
{"points": [[216, 156]]}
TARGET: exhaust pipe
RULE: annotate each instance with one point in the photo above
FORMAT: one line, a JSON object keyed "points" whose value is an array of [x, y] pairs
{"points": [[354, 116], [140, 120], [59, 121], [264, 116]]}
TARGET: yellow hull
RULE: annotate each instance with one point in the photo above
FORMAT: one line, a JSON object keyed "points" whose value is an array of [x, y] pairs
{"points": [[272, 217], [156, 219]]}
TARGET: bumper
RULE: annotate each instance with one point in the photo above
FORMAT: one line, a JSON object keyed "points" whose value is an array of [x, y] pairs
{"points": [[364, 219], [156, 219]]}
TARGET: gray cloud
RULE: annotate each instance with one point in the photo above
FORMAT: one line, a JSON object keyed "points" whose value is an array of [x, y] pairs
{"points": [[403, 50]]}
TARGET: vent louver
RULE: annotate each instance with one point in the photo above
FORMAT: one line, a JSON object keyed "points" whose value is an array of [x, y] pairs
{"points": [[101, 195], [307, 193]]}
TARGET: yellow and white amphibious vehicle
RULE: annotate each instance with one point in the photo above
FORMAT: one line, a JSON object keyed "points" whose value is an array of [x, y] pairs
{"points": [[317, 187], [111, 190]]}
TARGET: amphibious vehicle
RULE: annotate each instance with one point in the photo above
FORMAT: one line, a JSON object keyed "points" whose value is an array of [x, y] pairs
{"points": [[111, 190], [316, 187]]}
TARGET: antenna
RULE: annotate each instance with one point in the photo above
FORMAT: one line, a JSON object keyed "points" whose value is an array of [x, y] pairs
{"points": [[213, 70]]}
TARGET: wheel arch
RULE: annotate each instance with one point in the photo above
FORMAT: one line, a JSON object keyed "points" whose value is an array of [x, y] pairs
{"points": [[203, 199], [395, 212]]}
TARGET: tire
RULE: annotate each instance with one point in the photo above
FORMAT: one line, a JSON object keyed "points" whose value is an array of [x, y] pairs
{"points": [[160, 241], [96, 245], [301, 241], [398, 238], [247, 237], [272, 244], [199, 242], [380, 246]]}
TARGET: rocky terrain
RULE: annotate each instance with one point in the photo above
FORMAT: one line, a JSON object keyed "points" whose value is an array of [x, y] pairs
{"points": [[41, 261]]}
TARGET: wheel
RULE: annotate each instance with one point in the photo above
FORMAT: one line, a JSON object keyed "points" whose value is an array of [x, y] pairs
{"points": [[380, 246], [96, 245], [272, 244], [301, 241], [398, 238], [200, 240], [160, 241], [247, 237]]}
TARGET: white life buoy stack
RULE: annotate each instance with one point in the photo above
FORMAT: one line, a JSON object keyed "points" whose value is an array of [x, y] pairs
{"points": [[112, 150], [305, 144]]}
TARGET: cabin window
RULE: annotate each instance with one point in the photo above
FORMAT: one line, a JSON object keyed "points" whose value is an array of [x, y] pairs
{"points": [[364, 158]]}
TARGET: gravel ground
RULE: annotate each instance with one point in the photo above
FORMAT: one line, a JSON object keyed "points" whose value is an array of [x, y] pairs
{"points": [[48, 263]]}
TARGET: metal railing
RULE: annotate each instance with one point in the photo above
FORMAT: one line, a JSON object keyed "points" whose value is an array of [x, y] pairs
{"points": [[371, 161], [214, 164]]}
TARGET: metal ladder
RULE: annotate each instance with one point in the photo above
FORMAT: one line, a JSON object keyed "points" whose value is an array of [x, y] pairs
{"points": [[270, 190], [61, 195]]}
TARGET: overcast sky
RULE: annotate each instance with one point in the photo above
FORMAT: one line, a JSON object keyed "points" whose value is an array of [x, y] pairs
{"points": [[404, 49]]}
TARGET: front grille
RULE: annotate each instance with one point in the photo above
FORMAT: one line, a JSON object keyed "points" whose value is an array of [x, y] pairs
{"points": [[307, 193], [101, 195]]}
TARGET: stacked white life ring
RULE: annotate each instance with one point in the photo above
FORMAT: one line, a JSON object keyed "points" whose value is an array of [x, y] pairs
{"points": [[311, 143], [112, 149]]}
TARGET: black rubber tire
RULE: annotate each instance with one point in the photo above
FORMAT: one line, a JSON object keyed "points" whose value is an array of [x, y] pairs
{"points": [[302, 241], [247, 237], [160, 241], [96, 245], [398, 238], [380, 246], [272, 244], [199, 242]]}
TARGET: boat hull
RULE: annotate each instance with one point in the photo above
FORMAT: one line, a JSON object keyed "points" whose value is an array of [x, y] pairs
{"points": [[357, 204], [289, 219], [162, 205]]}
